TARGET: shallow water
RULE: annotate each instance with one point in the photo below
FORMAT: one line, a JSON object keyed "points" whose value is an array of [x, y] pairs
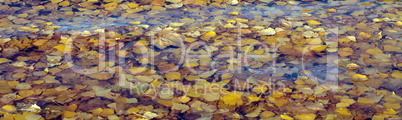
{"points": [[159, 70]]}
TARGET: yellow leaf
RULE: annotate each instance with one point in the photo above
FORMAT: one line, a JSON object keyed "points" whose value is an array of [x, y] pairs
{"points": [[4, 60], [390, 112], [343, 52], [389, 48], [253, 98], [121, 53], [233, 13], [207, 74], [9, 108], [184, 99], [132, 110], [364, 100], [56, 1], [318, 48], [399, 23], [134, 22], [313, 23], [101, 75], [181, 107], [132, 5], [144, 78], [374, 51], [194, 93], [64, 3], [209, 35], [259, 89], [39, 42], [64, 48], [392, 105], [344, 111], [396, 74], [286, 117], [176, 24], [136, 70], [110, 6], [309, 116], [233, 98], [349, 101], [359, 77], [267, 114], [364, 35], [173, 76]]}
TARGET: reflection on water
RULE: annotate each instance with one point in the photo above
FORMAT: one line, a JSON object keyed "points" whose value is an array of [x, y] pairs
{"points": [[222, 60]]}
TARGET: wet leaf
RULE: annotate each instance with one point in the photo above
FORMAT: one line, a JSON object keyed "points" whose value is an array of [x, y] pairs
{"points": [[233, 98], [180, 107]]}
